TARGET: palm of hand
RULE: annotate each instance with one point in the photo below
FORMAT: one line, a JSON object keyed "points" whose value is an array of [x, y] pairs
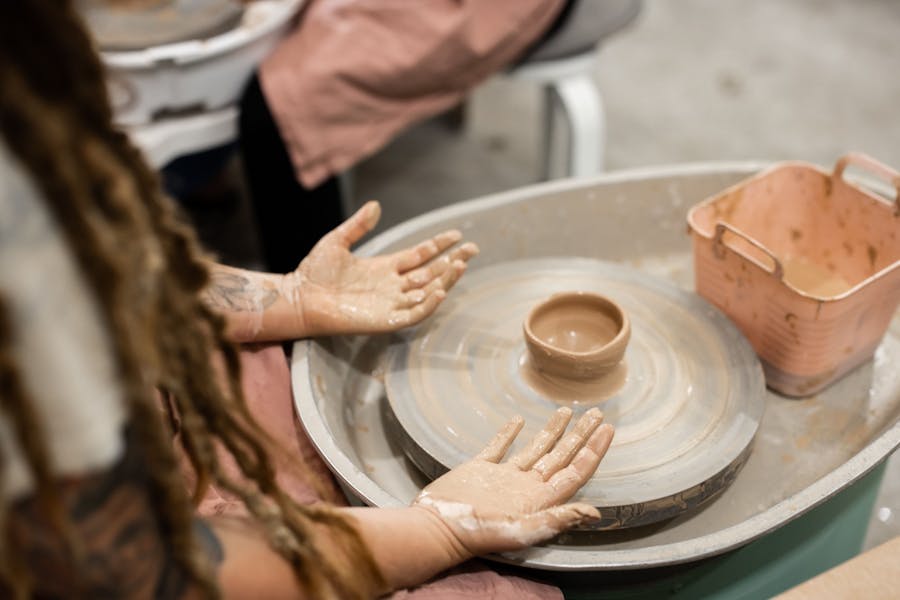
{"points": [[480, 517], [477, 481], [343, 293], [350, 293], [493, 507]]}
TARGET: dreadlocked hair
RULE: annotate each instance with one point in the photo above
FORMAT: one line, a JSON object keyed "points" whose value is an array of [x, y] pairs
{"points": [[146, 270]]}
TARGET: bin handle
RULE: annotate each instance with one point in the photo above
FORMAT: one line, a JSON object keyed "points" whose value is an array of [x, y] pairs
{"points": [[719, 244], [864, 161]]}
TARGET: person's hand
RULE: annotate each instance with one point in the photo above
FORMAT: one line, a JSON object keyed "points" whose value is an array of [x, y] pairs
{"points": [[339, 293], [493, 506]]}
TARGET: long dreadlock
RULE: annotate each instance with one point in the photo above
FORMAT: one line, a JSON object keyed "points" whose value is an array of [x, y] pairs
{"points": [[146, 271]]}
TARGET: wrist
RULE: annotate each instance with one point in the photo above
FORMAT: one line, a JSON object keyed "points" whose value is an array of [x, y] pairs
{"points": [[442, 533], [291, 286], [410, 545]]}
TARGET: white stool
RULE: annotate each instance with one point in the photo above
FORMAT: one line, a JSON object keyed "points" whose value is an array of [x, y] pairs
{"points": [[571, 95], [563, 63]]}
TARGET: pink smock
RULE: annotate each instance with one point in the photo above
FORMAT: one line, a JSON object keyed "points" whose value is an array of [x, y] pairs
{"points": [[355, 73]]}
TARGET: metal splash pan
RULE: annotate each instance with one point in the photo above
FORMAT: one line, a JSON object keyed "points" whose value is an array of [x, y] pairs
{"points": [[804, 452]]}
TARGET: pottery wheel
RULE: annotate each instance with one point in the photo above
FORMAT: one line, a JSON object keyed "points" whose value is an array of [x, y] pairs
{"points": [[142, 24], [686, 405]]}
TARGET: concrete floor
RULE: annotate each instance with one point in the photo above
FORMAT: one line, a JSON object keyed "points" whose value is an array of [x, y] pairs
{"points": [[690, 81]]}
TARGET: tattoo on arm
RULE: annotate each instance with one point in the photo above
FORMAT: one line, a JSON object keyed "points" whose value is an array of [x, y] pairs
{"points": [[237, 293], [116, 522]]}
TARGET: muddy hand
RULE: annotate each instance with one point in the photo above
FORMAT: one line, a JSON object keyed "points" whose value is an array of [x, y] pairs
{"points": [[493, 506], [341, 293]]}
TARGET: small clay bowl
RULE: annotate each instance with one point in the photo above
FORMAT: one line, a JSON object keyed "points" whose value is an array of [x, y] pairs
{"points": [[576, 335]]}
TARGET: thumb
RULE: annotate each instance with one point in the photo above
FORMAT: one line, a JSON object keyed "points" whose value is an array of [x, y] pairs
{"points": [[545, 524], [359, 224]]}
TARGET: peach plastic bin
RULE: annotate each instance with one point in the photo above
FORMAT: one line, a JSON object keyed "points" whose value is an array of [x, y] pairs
{"points": [[806, 264]]}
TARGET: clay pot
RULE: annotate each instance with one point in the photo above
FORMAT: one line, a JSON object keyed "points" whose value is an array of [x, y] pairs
{"points": [[576, 335]]}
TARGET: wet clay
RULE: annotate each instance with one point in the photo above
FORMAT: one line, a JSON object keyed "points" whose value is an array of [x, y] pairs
{"points": [[573, 392], [579, 336], [576, 326], [813, 279]]}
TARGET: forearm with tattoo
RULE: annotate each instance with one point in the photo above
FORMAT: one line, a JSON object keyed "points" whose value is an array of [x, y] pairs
{"points": [[254, 304], [234, 291]]}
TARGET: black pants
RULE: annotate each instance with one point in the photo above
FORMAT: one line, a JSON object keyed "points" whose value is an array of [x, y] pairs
{"points": [[291, 218]]}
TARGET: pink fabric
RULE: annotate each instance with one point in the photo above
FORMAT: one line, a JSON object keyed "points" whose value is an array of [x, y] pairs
{"points": [[266, 381], [267, 386], [354, 73], [476, 581]]}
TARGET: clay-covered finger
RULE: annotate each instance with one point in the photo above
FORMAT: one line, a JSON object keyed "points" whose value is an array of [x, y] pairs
{"points": [[423, 276], [423, 309], [448, 278], [440, 266], [572, 442], [465, 252], [545, 524], [359, 224], [423, 252], [543, 441], [565, 482], [497, 447], [412, 298]]}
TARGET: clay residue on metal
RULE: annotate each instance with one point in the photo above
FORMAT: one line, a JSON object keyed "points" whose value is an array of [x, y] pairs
{"points": [[141, 24]]}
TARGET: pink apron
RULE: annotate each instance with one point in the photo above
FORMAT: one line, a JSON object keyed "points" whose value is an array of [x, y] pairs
{"points": [[354, 73]]}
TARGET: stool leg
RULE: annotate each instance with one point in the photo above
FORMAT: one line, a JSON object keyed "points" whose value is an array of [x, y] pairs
{"points": [[549, 147], [347, 184], [582, 106]]}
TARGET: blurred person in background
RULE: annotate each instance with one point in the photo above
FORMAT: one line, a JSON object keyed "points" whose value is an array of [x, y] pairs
{"points": [[351, 76]]}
